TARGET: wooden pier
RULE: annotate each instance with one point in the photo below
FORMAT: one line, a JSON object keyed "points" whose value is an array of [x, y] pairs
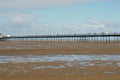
{"points": [[75, 37]]}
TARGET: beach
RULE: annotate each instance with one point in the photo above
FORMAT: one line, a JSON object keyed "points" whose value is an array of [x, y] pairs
{"points": [[59, 39], [59, 60], [58, 47]]}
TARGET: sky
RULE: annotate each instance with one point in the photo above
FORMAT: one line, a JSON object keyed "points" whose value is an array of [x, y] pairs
{"points": [[51, 17]]}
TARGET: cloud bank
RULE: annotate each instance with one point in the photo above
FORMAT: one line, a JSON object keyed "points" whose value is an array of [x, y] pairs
{"points": [[24, 25], [38, 3]]}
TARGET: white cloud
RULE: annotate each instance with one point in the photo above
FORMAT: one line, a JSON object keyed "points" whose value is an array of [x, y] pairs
{"points": [[21, 21], [5, 14], [96, 24], [38, 3], [17, 20]]}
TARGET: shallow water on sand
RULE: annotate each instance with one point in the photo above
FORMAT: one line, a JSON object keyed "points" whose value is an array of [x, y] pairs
{"points": [[70, 60], [53, 58], [59, 65]]}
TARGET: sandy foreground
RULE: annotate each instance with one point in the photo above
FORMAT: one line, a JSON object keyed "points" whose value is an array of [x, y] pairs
{"points": [[59, 70], [32, 71]]}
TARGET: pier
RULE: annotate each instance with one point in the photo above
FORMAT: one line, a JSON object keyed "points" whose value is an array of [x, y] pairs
{"points": [[75, 41], [70, 37]]}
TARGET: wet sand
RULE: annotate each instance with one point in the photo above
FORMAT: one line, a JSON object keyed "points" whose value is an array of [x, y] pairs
{"points": [[60, 51], [58, 47], [54, 71], [60, 70]]}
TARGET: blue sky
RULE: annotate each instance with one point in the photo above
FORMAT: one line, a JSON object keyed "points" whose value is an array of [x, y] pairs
{"points": [[23, 17]]}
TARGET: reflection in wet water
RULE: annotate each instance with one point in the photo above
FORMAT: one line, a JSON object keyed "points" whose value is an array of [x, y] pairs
{"points": [[81, 62], [52, 58], [47, 67], [3, 69]]}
